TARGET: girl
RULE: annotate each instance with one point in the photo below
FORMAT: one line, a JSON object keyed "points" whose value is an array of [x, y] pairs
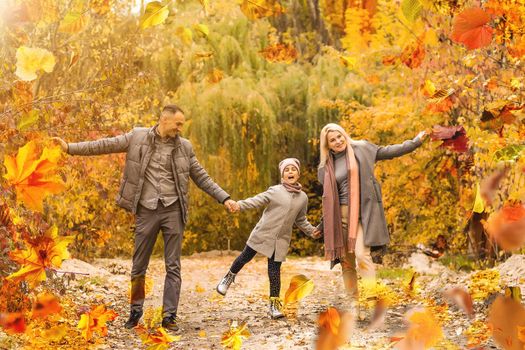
{"points": [[285, 205]]}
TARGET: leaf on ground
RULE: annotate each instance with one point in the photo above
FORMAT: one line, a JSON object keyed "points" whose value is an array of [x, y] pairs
{"points": [[233, 337]]}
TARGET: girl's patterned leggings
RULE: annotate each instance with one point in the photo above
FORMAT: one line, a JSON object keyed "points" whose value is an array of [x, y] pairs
{"points": [[274, 269]]}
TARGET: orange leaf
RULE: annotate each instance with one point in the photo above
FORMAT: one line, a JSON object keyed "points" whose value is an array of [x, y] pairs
{"points": [[233, 338], [156, 339], [507, 226], [413, 55], [334, 329], [33, 178], [470, 29], [13, 322], [46, 304], [423, 333], [47, 251], [95, 321], [505, 317]]}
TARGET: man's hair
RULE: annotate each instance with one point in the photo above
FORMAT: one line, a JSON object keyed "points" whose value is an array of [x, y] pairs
{"points": [[172, 109]]}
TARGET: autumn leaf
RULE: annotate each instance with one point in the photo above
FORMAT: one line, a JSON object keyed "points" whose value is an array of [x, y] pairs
{"points": [[484, 283], [413, 54], [479, 206], [233, 338], [95, 321], [45, 304], [489, 185], [157, 339], [500, 110], [255, 9], [348, 62], [279, 53], [46, 251], [411, 9], [424, 331], [470, 28], [185, 35], [513, 292], [334, 330], [154, 14], [13, 322], [462, 299], [33, 178], [30, 60], [504, 317], [73, 22], [300, 287], [440, 95], [507, 226], [453, 137]]}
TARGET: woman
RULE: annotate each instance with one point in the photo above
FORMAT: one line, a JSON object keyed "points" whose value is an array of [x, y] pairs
{"points": [[353, 214]]}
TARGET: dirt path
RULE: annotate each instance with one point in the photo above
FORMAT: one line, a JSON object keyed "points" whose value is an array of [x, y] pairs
{"points": [[204, 314]]}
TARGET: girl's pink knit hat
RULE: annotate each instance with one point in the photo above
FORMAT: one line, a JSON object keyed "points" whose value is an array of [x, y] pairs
{"points": [[289, 161]]}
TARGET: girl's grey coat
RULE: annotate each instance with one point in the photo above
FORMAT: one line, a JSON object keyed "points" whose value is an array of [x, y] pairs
{"points": [[273, 232], [371, 203]]}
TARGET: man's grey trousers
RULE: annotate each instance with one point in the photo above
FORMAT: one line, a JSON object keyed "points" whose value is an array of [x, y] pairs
{"points": [[148, 225]]}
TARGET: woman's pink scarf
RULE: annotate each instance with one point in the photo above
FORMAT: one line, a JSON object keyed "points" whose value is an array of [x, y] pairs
{"points": [[332, 224]]}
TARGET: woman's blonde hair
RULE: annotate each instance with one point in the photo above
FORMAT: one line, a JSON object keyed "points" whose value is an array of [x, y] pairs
{"points": [[324, 150]]}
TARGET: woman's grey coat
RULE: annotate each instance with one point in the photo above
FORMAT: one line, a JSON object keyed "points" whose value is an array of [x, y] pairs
{"points": [[273, 232], [371, 204]]}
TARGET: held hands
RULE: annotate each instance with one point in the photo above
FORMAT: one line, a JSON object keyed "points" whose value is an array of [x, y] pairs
{"points": [[232, 206], [317, 234], [61, 143], [422, 135]]}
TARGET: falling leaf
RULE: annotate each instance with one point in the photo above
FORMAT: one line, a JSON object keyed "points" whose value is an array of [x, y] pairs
{"points": [[479, 206], [335, 329], [95, 320], [504, 317], [300, 287], [73, 22], [424, 331], [501, 110], [507, 226], [440, 95], [203, 29], [411, 9], [233, 338], [157, 339], [461, 298], [255, 9], [413, 54], [470, 28], [154, 14], [428, 88], [279, 53], [33, 178], [453, 137], [46, 304], [378, 317], [348, 62], [44, 252], [13, 323], [490, 185], [30, 60]]}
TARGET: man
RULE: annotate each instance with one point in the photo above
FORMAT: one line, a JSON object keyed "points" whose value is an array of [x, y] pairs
{"points": [[159, 163]]}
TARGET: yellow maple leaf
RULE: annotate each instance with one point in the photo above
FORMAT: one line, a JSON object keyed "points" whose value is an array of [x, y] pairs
{"points": [[33, 178], [300, 287], [95, 321], [157, 339], [30, 60], [233, 338], [43, 252]]}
